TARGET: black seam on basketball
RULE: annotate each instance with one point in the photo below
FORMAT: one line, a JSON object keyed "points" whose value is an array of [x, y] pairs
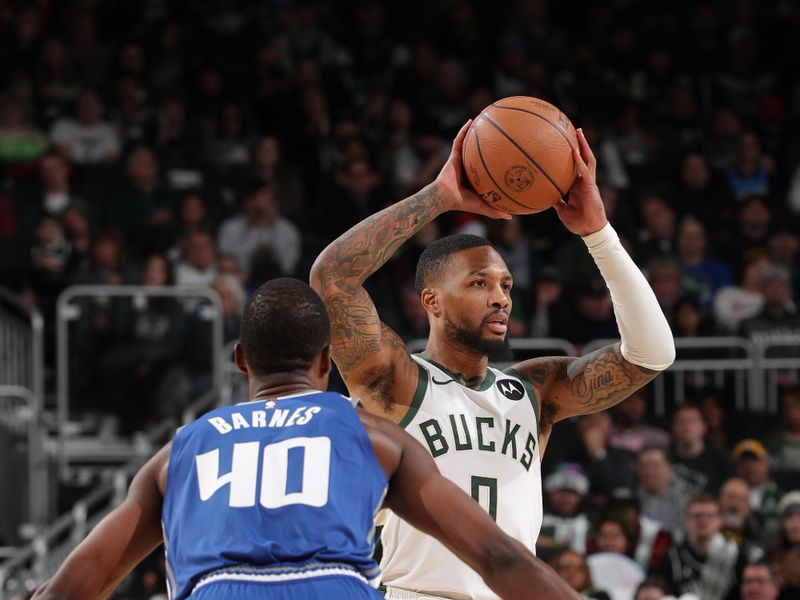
{"points": [[489, 173], [548, 121], [528, 156]]}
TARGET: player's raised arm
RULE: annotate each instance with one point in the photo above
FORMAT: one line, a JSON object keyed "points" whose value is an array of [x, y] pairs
{"points": [[574, 386], [119, 542], [370, 356], [432, 503]]}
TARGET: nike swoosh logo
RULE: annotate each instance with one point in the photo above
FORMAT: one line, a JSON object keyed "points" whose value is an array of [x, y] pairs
{"points": [[433, 379]]}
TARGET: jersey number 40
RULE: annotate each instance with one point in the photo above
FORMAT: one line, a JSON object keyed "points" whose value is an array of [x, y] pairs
{"points": [[294, 471]]}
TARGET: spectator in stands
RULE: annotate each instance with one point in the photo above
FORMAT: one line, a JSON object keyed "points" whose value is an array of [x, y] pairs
{"points": [[789, 531], [752, 465], [666, 279], [57, 194], [549, 308], [259, 234], [691, 319], [663, 492], [631, 432], [706, 563], [197, 267], [20, 141], [177, 144], [657, 236], [417, 163], [132, 111], [736, 303], [692, 456], [356, 193], [784, 444], [704, 276], [751, 239], [191, 215], [610, 535], [715, 416], [269, 166], [699, 192], [572, 567], [78, 234], [231, 293], [652, 588], [739, 522], [759, 582], [49, 262], [229, 144], [778, 317], [748, 175], [784, 247], [608, 468], [142, 203], [789, 568], [564, 524], [106, 261], [140, 371], [592, 315], [87, 139], [648, 540]]}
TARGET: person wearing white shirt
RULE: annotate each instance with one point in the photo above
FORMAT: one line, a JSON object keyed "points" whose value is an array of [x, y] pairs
{"points": [[260, 230], [86, 139]]}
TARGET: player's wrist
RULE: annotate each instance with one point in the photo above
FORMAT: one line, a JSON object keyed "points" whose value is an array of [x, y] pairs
{"points": [[599, 236]]}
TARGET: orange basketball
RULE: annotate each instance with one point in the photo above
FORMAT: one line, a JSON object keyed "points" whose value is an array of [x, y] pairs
{"points": [[518, 154]]}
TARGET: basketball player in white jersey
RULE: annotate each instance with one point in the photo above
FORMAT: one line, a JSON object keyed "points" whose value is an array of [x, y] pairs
{"points": [[486, 429]]}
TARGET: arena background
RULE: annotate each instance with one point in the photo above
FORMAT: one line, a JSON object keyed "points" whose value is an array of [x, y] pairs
{"points": [[139, 140]]}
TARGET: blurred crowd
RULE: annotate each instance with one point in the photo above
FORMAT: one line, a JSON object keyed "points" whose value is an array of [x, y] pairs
{"points": [[221, 143]]}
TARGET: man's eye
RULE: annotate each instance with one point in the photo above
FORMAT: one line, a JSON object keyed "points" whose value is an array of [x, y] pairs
{"points": [[479, 283]]}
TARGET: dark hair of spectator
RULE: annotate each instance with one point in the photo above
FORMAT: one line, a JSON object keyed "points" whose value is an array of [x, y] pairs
{"points": [[656, 448], [702, 498], [687, 406], [284, 327], [436, 256]]}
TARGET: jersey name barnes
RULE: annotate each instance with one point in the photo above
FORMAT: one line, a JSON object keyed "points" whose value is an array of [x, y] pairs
{"points": [[275, 417], [460, 432]]}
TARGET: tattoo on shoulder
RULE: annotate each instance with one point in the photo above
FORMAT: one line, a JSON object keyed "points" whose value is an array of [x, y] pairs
{"points": [[355, 329]]}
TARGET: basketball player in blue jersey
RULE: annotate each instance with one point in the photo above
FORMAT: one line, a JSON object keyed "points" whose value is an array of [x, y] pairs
{"points": [[487, 429], [276, 497]]}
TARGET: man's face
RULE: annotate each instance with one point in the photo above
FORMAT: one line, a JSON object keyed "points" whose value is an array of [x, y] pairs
{"points": [[654, 471], [753, 469], [758, 584], [734, 504], [702, 522], [200, 252], [688, 426], [474, 301]]}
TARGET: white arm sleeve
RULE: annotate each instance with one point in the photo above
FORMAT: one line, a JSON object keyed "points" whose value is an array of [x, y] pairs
{"points": [[646, 336]]}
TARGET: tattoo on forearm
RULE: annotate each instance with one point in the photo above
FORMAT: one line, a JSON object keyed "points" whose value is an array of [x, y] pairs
{"points": [[366, 247], [603, 378], [584, 385]]}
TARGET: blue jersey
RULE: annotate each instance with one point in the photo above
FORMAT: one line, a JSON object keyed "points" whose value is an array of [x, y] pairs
{"points": [[291, 485]]}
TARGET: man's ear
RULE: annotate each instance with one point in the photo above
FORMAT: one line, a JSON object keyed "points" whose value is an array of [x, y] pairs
{"points": [[430, 301], [324, 366], [238, 357]]}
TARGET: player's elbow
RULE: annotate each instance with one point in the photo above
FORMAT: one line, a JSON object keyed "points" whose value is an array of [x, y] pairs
{"points": [[657, 356]]}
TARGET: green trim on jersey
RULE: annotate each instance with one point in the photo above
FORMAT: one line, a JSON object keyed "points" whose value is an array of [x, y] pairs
{"points": [[531, 394], [487, 382], [419, 394]]}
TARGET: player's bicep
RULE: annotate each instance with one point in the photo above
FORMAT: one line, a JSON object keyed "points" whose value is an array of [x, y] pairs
{"points": [[569, 386]]}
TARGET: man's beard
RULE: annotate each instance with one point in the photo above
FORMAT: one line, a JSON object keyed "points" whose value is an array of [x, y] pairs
{"points": [[494, 350]]}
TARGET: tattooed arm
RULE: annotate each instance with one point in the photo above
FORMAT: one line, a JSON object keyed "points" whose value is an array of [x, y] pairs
{"points": [[371, 357], [566, 387]]}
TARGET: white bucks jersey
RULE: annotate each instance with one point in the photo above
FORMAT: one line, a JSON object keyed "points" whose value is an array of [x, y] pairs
{"points": [[486, 441]]}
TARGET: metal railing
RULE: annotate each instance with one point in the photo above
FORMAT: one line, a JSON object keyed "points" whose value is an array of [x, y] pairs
{"points": [[787, 349], [67, 311], [30, 565], [22, 395]]}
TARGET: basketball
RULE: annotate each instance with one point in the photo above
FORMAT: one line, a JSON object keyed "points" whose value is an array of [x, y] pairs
{"points": [[518, 154]]}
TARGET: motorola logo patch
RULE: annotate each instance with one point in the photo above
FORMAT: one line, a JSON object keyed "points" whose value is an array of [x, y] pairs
{"points": [[511, 389]]}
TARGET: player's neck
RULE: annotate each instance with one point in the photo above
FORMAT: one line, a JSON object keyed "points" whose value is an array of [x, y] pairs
{"points": [[277, 385], [469, 367]]}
